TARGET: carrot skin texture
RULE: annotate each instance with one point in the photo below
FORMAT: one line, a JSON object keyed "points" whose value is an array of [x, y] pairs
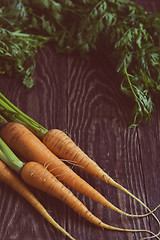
{"points": [[36, 175], [7, 176], [63, 147], [29, 147]]}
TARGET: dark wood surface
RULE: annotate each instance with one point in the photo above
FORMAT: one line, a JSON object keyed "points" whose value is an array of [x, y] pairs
{"points": [[84, 99]]}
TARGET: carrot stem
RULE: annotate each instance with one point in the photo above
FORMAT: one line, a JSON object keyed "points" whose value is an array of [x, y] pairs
{"points": [[2, 121], [9, 110], [9, 157]]}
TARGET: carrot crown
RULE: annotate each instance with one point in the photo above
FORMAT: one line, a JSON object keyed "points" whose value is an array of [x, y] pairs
{"points": [[10, 111], [9, 157]]}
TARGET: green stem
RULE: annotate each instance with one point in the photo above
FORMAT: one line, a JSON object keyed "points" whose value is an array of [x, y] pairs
{"points": [[18, 33], [42, 39], [131, 87], [9, 157], [10, 111], [2, 121]]}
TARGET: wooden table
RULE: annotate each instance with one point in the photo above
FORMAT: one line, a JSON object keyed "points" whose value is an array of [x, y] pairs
{"points": [[84, 98]]}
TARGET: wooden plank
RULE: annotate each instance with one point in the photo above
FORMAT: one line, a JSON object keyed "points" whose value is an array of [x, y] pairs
{"points": [[102, 122], [80, 98], [150, 151], [84, 98]]}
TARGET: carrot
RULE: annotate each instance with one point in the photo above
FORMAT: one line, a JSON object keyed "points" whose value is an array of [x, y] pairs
{"points": [[8, 177], [25, 144], [37, 176], [61, 144], [32, 172], [63, 147]]}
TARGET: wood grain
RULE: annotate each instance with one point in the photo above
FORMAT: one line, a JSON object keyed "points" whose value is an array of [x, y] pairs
{"points": [[84, 99]]}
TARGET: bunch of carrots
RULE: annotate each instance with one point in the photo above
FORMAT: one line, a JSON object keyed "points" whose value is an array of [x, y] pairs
{"points": [[44, 151]]}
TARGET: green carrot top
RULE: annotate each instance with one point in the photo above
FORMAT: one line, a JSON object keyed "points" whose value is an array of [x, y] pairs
{"points": [[11, 112]]}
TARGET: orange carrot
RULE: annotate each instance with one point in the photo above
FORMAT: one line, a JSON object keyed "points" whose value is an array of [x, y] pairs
{"points": [[63, 147], [8, 177], [37, 176], [58, 142], [28, 146]]}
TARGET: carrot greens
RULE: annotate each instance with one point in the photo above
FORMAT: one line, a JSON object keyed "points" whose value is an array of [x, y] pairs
{"points": [[120, 31]]}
